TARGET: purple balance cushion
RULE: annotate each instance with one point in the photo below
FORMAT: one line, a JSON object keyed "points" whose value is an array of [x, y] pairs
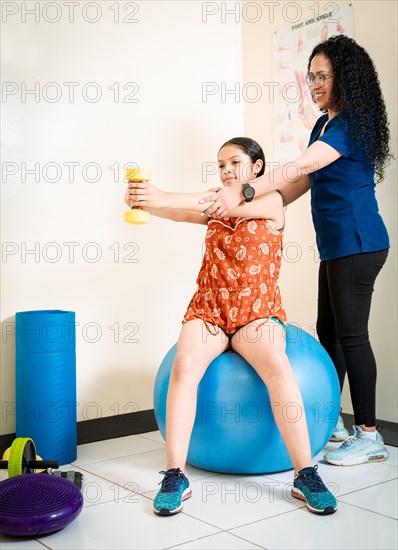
{"points": [[35, 504]]}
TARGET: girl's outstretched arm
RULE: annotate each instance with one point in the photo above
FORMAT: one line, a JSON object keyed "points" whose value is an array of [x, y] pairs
{"points": [[186, 206], [146, 195], [178, 215], [174, 214]]}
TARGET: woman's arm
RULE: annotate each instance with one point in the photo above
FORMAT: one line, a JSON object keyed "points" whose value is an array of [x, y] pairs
{"points": [[295, 190], [269, 206], [316, 156]]}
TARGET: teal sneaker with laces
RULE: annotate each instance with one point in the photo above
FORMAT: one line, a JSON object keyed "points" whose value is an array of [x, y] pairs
{"points": [[359, 448], [340, 432], [173, 491], [308, 486]]}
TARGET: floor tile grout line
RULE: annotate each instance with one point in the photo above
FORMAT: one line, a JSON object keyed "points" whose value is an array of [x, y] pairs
{"points": [[124, 486], [288, 483], [163, 447], [145, 493], [245, 540], [364, 488], [266, 519], [245, 524], [42, 543], [371, 511], [114, 483], [219, 529], [191, 482], [175, 547], [379, 483], [114, 501], [202, 521], [117, 457], [273, 477], [192, 517], [211, 474], [101, 477], [145, 496], [228, 530], [153, 440], [367, 510]]}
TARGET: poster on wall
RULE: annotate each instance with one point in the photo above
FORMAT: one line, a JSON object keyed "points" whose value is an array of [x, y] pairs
{"points": [[295, 111]]}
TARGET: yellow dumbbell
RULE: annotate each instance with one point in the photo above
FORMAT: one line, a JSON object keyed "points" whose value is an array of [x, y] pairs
{"points": [[136, 215]]}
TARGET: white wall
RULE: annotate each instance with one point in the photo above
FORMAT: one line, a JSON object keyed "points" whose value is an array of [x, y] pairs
{"points": [[169, 52], [375, 28]]}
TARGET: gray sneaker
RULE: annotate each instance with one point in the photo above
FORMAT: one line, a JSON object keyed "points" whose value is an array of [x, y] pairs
{"points": [[358, 449], [340, 432]]}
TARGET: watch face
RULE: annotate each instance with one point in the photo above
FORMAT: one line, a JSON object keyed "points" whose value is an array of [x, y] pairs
{"points": [[248, 192]]}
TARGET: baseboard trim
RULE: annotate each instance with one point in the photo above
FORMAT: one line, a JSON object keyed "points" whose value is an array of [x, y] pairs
{"points": [[89, 431], [99, 429]]}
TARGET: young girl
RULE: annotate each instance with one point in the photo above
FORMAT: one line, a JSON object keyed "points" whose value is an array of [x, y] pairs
{"points": [[237, 293]]}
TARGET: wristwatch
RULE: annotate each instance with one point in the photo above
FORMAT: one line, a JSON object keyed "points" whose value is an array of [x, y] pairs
{"points": [[248, 192]]}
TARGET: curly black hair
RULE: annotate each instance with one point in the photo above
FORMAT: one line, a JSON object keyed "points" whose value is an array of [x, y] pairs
{"points": [[356, 92]]}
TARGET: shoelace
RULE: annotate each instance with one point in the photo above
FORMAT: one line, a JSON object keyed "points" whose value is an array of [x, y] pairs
{"points": [[350, 440], [313, 481], [172, 480]]}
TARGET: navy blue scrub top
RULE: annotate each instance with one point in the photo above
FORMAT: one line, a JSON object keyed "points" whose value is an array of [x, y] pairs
{"points": [[343, 201]]}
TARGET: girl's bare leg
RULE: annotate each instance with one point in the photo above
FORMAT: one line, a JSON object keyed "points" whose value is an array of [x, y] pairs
{"points": [[196, 349], [265, 350]]}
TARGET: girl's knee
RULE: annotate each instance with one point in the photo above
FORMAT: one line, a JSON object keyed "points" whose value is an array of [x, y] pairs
{"points": [[184, 366], [277, 366]]}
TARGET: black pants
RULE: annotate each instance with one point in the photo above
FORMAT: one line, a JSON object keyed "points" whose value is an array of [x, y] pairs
{"points": [[344, 298]]}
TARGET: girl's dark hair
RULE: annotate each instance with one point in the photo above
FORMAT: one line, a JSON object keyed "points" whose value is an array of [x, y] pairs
{"points": [[250, 148], [356, 92]]}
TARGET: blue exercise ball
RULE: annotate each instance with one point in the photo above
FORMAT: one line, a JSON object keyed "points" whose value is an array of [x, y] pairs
{"points": [[234, 430]]}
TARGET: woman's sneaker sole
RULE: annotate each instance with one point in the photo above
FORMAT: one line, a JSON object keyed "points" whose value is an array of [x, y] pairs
{"points": [[364, 459], [298, 494], [338, 438]]}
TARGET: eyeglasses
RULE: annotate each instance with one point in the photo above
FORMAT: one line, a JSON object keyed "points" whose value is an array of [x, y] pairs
{"points": [[318, 80]]}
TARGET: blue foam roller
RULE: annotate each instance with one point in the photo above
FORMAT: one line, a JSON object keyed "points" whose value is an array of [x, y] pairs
{"points": [[235, 431], [45, 345]]}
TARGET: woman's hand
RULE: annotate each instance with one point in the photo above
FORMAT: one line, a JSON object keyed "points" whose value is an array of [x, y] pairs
{"points": [[225, 199], [144, 194]]}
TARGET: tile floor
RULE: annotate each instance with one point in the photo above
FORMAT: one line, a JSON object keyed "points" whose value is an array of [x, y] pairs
{"points": [[225, 512]]}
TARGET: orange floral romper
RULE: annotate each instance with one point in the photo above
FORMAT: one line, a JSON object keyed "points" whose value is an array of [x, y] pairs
{"points": [[238, 279]]}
